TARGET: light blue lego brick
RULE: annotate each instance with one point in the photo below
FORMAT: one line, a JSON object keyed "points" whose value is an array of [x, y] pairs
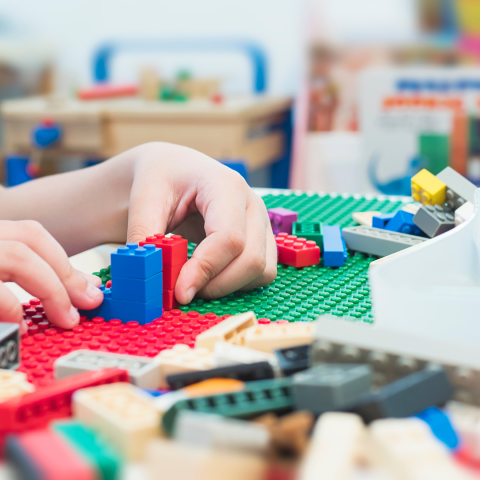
{"points": [[137, 311], [104, 309], [380, 220], [133, 261], [402, 222], [137, 289], [333, 252]]}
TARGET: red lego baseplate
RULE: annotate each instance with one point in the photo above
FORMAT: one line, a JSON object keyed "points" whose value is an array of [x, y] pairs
{"points": [[44, 343], [297, 252]]}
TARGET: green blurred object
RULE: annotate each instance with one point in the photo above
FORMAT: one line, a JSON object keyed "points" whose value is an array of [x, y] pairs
{"points": [[435, 149]]}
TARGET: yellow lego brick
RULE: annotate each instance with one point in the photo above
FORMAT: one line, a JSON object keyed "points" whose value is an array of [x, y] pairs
{"points": [[182, 359], [268, 338], [13, 384], [123, 413], [428, 189], [226, 331]]}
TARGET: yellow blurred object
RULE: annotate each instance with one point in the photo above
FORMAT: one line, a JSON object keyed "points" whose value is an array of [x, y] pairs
{"points": [[468, 16], [214, 386]]}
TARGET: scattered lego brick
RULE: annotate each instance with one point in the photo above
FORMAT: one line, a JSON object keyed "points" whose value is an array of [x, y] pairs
{"points": [[427, 189], [335, 447], [406, 396], [434, 220], [226, 331], [13, 384], [309, 231], [297, 252], [364, 218], [463, 213], [227, 354], [459, 190], [381, 220], [330, 387], [245, 373], [282, 220], [214, 431], [293, 359], [375, 241], [9, 345], [403, 222], [441, 426], [333, 247], [143, 372], [134, 261], [122, 413]]}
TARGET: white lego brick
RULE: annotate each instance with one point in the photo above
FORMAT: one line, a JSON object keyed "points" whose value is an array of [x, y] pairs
{"points": [[122, 413], [182, 359], [364, 218], [208, 430], [466, 423], [13, 384], [226, 330], [463, 213], [172, 460], [458, 183], [407, 450], [268, 338], [144, 372], [226, 354], [335, 448]]}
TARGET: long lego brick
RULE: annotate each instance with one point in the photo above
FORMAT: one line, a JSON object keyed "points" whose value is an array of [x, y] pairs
{"points": [[106, 460], [134, 261], [144, 372], [245, 373], [43, 455], [375, 241], [257, 398], [9, 345], [174, 248], [37, 409], [107, 91], [457, 185], [333, 254]]}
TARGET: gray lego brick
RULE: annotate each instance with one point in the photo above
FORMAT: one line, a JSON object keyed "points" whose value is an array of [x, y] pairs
{"points": [[434, 219], [9, 346], [330, 387], [376, 241], [457, 186], [144, 372]]}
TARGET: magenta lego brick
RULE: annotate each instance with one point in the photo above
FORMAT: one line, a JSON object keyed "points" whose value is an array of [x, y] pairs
{"points": [[282, 220]]}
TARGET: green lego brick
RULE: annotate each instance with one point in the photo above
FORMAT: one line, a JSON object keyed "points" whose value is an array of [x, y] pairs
{"points": [[310, 231], [104, 275], [106, 461], [435, 149], [258, 397]]}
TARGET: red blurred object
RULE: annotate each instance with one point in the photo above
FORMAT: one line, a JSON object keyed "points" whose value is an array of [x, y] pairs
{"points": [[108, 284], [217, 98], [105, 90]]}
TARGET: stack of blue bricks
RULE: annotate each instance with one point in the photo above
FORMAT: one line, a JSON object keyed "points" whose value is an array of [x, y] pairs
{"points": [[137, 285]]}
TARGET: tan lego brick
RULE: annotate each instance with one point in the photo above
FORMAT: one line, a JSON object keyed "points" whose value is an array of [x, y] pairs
{"points": [[364, 218], [226, 331], [122, 413], [13, 384]]}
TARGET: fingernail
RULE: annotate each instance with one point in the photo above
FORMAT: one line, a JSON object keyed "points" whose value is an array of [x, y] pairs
{"points": [[190, 294], [92, 291], [74, 316]]}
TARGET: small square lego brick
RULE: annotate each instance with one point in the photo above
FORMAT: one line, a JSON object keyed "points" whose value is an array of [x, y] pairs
{"points": [[364, 218], [124, 415], [459, 189], [381, 220], [140, 312], [297, 252], [174, 248], [294, 359], [333, 253], [330, 387], [133, 261], [309, 230], [428, 189], [170, 276], [169, 301], [226, 354], [463, 213], [14, 384], [434, 219], [137, 289], [9, 345], [144, 372], [402, 222], [282, 220], [226, 330]]}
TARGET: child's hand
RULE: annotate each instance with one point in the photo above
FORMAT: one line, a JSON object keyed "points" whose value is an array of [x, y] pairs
{"points": [[177, 188], [31, 257]]}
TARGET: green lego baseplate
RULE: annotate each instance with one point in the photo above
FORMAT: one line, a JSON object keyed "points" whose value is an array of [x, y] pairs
{"points": [[301, 294]]}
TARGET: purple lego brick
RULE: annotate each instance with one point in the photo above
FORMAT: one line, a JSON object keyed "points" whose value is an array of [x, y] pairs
{"points": [[282, 220]]}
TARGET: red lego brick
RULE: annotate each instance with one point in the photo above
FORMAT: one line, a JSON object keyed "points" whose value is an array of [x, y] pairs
{"points": [[174, 248], [107, 91], [48, 454], [108, 284], [297, 252], [170, 277], [39, 408], [169, 301]]}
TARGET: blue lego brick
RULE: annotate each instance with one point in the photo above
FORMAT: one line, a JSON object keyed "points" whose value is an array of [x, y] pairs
{"points": [[402, 222], [133, 261], [104, 309], [333, 246], [379, 221], [137, 289], [140, 312], [441, 426]]}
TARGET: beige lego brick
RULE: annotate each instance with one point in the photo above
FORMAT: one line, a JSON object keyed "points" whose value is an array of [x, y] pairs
{"points": [[335, 448], [181, 359], [268, 338], [364, 218], [13, 384], [411, 208], [407, 450], [226, 331], [170, 460], [122, 413]]}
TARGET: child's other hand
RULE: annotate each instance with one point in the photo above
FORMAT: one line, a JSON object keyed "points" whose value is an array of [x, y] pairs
{"points": [[32, 258], [177, 188]]}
